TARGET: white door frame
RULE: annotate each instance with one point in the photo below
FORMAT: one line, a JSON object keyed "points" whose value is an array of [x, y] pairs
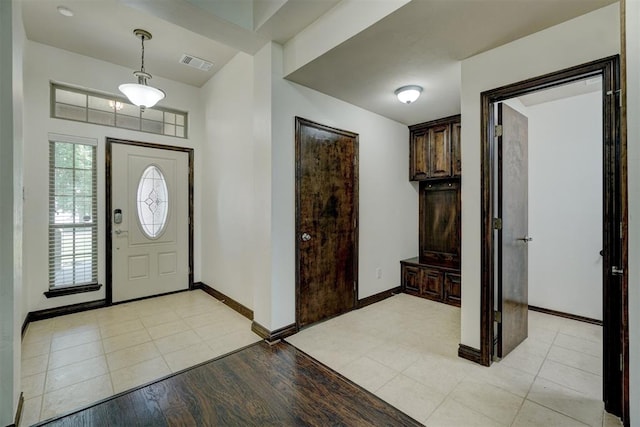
{"points": [[109, 210]]}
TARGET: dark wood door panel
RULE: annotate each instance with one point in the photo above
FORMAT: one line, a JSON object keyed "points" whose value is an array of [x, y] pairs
{"points": [[513, 209], [439, 151], [452, 288], [440, 224], [456, 156], [432, 283], [326, 221], [411, 278], [418, 161]]}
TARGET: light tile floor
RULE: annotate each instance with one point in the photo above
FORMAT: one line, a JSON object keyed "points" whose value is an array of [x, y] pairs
{"points": [[74, 360], [404, 350]]}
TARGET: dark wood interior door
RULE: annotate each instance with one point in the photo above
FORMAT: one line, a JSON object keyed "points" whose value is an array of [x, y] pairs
{"points": [[326, 221], [513, 238]]}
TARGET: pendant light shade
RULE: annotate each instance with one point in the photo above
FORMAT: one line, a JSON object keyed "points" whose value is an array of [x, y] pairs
{"points": [[141, 94]]}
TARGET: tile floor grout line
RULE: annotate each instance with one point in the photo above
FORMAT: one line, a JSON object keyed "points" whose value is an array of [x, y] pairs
{"points": [[538, 376], [419, 317], [447, 397], [560, 362]]}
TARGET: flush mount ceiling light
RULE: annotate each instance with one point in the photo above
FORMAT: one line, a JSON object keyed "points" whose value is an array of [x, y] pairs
{"points": [[65, 11], [408, 94], [141, 94]]}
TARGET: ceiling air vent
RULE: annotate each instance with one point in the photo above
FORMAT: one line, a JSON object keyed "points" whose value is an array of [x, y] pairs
{"points": [[195, 62]]}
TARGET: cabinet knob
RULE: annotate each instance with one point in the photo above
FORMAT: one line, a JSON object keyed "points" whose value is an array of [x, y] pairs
{"points": [[305, 237]]}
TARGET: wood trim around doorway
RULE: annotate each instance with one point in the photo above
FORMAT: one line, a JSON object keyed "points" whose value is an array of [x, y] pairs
{"points": [[108, 247], [608, 69]]}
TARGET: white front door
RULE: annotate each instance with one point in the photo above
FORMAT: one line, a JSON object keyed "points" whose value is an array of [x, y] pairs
{"points": [[150, 221]]}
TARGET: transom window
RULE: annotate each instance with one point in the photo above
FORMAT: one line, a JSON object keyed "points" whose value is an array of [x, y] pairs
{"points": [[73, 212], [81, 105]]}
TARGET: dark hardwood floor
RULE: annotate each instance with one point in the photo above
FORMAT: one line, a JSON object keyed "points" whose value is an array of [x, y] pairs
{"points": [[259, 385]]}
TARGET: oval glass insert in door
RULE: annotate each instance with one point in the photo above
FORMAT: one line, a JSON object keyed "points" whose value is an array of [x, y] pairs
{"points": [[152, 202]]}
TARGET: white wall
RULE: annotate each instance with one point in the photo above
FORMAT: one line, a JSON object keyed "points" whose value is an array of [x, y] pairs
{"points": [[66, 67], [633, 144], [583, 39], [388, 206], [565, 205], [249, 246], [19, 299], [228, 177], [11, 100]]}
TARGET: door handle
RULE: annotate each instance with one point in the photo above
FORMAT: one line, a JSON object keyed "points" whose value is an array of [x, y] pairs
{"points": [[305, 237], [526, 239], [118, 231]]}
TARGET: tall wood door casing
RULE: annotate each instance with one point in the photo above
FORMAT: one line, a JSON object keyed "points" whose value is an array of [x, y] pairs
{"points": [[513, 237], [326, 221]]}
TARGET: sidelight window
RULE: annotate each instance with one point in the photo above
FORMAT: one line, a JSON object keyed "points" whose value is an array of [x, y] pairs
{"points": [[73, 211]]}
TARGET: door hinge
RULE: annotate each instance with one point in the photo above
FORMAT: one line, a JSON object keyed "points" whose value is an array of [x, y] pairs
{"points": [[621, 228], [355, 286], [497, 316], [497, 223], [617, 271], [498, 130], [621, 362], [619, 93]]}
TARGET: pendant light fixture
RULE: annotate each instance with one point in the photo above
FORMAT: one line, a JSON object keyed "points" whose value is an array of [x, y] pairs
{"points": [[141, 94]]}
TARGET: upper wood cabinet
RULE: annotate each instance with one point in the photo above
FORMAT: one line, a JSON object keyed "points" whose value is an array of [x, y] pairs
{"points": [[418, 159], [434, 149]]}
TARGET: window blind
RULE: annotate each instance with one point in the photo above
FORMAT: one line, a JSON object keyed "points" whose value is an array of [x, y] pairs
{"points": [[73, 214]]}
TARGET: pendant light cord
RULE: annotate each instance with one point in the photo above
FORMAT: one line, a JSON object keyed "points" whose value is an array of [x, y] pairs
{"points": [[142, 38]]}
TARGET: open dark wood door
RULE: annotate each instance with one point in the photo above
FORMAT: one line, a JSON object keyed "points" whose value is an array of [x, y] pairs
{"points": [[326, 221], [513, 238]]}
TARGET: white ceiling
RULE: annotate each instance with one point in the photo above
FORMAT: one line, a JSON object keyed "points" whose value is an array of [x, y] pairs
{"points": [[420, 43]]}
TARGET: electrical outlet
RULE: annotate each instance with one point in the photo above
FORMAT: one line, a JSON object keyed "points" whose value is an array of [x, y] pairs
{"points": [[379, 273]]}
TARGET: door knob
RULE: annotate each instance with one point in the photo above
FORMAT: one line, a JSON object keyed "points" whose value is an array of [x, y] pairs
{"points": [[526, 239], [305, 237]]}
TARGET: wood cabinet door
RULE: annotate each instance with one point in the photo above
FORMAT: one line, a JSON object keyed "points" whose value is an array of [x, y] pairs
{"points": [[456, 159], [432, 283], [439, 151], [440, 224], [418, 164], [411, 278], [452, 286]]}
